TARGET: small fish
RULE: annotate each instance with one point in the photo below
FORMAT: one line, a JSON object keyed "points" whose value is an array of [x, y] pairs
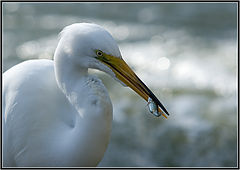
{"points": [[153, 108]]}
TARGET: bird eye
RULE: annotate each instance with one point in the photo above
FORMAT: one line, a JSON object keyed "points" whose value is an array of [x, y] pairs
{"points": [[99, 53]]}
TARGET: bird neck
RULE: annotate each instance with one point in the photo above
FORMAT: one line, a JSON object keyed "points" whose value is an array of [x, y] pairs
{"points": [[69, 75], [81, 89]]}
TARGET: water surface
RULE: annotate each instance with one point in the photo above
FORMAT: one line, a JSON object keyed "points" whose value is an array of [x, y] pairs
{"points": [[185, 52]]}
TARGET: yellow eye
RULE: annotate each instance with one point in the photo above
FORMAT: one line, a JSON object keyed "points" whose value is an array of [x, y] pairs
{"points": [[99, 53]]}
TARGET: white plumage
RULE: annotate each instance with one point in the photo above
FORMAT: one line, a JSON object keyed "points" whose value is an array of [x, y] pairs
{"points": [[54, 113]]}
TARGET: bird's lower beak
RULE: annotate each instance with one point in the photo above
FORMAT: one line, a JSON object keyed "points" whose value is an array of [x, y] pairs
{"points": [[125, 74]]}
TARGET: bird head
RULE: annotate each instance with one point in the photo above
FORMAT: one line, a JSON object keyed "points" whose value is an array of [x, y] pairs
{"points": [[91, 46]]}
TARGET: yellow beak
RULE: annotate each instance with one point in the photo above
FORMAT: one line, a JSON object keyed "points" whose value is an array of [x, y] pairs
{"points": [[125, 74]]}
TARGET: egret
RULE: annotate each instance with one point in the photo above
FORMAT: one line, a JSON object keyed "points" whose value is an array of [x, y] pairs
{"points": [[57, 115]]}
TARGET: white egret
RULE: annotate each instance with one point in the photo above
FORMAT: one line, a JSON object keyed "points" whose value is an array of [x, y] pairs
{"points": [[57, 115]]}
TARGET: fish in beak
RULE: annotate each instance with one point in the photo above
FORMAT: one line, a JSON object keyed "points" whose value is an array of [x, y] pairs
{"points": [[125, 74]]}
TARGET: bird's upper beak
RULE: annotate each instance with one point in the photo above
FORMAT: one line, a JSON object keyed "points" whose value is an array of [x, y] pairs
{"points": [[125, 74]]}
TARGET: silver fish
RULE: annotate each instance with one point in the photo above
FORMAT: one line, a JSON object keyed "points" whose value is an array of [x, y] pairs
{"points": [[153, 108]]}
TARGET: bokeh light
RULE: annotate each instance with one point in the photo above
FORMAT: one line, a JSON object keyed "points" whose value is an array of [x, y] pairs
{"points": [[185, 52]]}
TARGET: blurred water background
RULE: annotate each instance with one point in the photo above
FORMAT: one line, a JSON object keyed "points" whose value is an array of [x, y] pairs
{"points": [[185, 52]]}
